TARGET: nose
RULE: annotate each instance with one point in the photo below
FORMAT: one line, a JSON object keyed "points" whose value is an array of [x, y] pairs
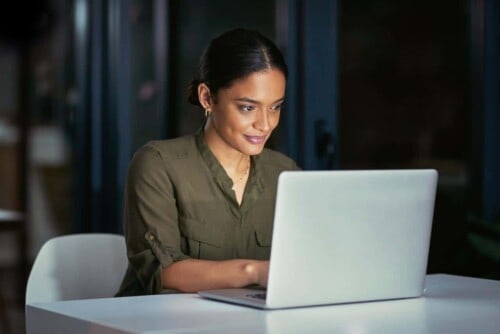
{"points": [[262, 121]]}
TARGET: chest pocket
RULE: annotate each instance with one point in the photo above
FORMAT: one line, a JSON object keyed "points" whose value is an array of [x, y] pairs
{"points": [[203, 241], [263, 236], [262, 222]]}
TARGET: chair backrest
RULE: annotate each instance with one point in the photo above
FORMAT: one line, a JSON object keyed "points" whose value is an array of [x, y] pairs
{"points": [[77, 266]]}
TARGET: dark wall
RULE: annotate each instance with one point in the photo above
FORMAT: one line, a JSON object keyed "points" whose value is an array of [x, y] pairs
{"points": [[404, 83]]}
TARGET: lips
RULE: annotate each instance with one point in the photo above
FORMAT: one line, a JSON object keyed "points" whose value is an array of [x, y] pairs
{"points": [[256, 140]]}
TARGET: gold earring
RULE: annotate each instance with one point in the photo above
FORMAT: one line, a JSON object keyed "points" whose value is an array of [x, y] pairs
{"points": [[207, 112]]}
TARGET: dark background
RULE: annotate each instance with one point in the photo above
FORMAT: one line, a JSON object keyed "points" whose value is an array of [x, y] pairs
{"points": [[373, 85]]}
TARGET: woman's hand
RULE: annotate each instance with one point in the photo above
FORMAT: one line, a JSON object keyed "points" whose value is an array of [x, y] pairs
{"points": [[193, 275], [258, 271]]}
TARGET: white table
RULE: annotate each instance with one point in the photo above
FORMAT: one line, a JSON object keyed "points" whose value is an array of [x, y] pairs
{"points": [[452, 304]]}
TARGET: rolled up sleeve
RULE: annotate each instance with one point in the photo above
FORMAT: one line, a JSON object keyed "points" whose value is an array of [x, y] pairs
{"points": [[151, 223]]}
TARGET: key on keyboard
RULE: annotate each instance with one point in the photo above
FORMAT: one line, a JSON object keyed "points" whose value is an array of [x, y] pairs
{"points": [[257, 295]]}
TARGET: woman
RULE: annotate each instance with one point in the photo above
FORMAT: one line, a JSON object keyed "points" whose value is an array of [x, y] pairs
{"points": [[199, 209]]}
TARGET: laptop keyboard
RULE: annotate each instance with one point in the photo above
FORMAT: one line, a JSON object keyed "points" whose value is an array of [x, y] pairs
{"points": [[257, 295]]}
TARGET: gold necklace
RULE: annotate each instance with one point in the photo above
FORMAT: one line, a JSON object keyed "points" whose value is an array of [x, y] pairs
{"points": [[244, 174]]}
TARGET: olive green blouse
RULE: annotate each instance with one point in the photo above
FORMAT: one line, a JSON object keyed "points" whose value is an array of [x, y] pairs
{"points": [[179, 204]]}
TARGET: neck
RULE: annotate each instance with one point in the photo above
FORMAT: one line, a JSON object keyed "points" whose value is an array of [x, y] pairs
{"points": [[233, 161]]}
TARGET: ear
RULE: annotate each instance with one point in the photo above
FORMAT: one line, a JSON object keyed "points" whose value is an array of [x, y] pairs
{"points": [[204, 96]]}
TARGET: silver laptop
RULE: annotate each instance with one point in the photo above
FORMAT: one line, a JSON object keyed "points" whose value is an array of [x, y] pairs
{"points": [[345, 236]]}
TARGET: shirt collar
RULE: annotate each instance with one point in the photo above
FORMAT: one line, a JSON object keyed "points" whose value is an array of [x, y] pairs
{"points": [[220, 175], [209, 158]]}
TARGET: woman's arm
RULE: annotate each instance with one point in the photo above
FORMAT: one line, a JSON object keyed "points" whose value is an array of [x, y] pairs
{"points": [[192, 275]]}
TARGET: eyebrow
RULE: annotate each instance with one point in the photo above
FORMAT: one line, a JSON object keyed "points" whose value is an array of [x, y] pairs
{"points": [[246, 99]]}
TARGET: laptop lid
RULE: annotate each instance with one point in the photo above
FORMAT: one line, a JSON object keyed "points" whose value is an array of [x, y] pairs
{"points": [[346, 236]]}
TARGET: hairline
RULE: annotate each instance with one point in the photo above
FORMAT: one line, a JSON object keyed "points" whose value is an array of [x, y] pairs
{"points": [[267, 69]]}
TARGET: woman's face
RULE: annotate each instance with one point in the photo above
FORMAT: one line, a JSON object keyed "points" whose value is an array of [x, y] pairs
{"points": [[245, 114]]}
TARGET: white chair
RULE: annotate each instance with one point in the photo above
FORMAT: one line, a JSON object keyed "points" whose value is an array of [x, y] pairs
{"points": [[77, 266]]}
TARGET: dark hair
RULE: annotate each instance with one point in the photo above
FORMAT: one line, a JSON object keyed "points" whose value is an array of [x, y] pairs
{"points": [[234, 55]]}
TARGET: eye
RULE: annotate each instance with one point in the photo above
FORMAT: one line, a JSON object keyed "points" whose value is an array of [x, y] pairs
{"points": [[277, 107], [245, 108]]}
